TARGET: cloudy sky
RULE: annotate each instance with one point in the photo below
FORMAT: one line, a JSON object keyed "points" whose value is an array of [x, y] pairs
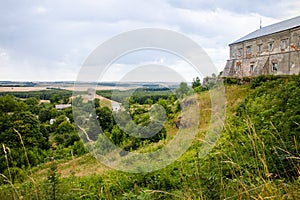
{"points": [[50, 40]]}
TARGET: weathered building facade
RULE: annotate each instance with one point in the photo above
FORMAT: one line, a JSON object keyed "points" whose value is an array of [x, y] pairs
{"points": [[273, 49]]}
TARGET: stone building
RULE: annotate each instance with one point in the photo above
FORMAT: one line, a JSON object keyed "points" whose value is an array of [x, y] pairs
{"points": [[62, 106], [273, 49]]}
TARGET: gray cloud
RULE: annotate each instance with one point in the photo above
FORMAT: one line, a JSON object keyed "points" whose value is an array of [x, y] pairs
{"points": [[49, 40], [268, 8]]}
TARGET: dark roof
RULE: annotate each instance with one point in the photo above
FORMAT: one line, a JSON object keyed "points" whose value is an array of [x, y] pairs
{"points": [[274, 28]]}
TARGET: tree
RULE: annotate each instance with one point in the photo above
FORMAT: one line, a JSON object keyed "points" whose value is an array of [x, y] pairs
{"points": [[65, 134], [105, 118], [149, 101], [196, 85], [55, 98], [196, 82], [9, 104], [69, 113], [165, 104], [117, 135], [33, 103], [97, 103], [28, 126], [183, 90], [158, 113], [44, 115]]}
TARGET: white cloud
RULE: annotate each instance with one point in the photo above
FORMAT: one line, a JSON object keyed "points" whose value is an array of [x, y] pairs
{"points": [[4, 56], [40, 10]]}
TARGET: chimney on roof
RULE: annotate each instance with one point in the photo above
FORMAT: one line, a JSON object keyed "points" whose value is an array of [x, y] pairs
{"points": [[260, 22]]}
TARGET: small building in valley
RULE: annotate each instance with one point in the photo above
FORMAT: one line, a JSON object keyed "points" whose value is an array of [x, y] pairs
{"points": [[62, 106], [274, 49]]}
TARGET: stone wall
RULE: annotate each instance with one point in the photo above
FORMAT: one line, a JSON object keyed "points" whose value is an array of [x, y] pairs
{"points": [[255, 57]]}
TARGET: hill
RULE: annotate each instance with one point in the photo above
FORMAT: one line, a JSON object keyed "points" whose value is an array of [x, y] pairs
{"points": [[256, 157]]}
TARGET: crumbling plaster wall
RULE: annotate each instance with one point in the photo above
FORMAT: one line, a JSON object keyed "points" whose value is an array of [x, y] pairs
{"points": [[287, 59]]}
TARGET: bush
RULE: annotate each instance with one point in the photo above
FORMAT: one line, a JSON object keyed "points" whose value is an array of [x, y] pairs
{"points": [[260, 80]]}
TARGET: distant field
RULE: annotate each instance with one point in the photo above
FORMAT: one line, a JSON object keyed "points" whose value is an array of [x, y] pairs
{"points": [[84, 88], [45, 93], [21, 89]]}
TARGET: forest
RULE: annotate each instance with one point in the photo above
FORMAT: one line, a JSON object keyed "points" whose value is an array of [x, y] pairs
{"points": [[256, 157]]}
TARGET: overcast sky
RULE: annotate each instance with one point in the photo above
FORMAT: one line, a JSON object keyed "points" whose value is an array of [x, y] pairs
{"points": [[50, 40]]}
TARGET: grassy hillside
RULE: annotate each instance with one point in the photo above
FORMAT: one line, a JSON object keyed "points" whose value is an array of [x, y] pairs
{"points": [[257, 157]]}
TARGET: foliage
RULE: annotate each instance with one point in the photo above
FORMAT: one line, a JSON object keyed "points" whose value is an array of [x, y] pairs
{"points": [[27, 135], [53, 181], [65, 134], [257, 156], [273, 112], [260, 145], [232, 81], [196, 82], [54, 94], [140, 95], [183, 90], [105, 118], [260, 80]]}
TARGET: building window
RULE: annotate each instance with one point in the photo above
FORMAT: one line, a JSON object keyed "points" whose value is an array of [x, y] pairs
{"points": [[259, 48], [240, 51], [275, 67], [239, 66], [248, 50], [270, 46], [283, 44], [251, 67]]}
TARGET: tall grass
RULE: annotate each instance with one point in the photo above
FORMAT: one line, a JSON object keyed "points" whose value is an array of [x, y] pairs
{"points": [[246, 179]]}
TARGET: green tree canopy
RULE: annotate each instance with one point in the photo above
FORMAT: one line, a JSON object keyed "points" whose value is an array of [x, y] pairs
{"points": [[183, 90]]}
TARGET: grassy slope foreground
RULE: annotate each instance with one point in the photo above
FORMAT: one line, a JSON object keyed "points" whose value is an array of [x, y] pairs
{"points": [[257, 157]]}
